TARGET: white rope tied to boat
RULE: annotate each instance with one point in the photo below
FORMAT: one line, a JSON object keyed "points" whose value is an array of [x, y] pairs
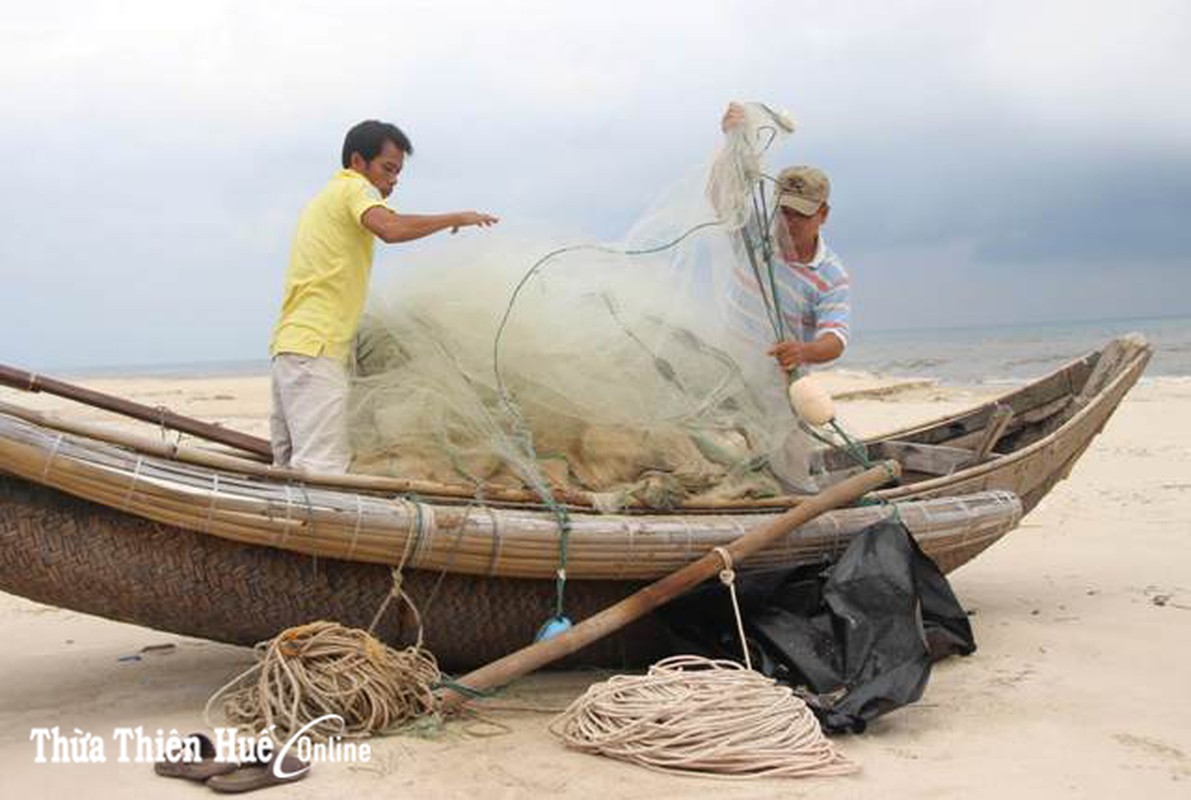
{"points": [[728, 578], [691, 714]]}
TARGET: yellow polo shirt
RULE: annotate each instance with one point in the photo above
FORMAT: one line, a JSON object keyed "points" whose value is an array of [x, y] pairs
{"points": [[329, 265]]}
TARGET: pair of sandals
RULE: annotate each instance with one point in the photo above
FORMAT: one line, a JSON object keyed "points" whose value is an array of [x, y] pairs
{"points": [[229, 777]]}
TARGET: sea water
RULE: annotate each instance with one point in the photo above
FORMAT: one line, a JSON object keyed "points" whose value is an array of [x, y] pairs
{"points": [[1011, 354], [975, 355]]}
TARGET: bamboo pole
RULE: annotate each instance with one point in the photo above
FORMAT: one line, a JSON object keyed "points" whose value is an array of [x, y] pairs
{"points": [[30, 382], [613, 618]]}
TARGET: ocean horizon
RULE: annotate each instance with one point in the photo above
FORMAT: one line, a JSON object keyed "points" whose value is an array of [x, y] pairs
{"points": [[984, 354], [1012, 353]]}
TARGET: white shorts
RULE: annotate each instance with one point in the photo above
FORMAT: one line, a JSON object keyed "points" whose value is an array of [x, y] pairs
{"points": [[308, 424]]}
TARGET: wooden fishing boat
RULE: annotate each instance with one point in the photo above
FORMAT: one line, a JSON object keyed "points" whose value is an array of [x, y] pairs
{"points": [[212, 544]]}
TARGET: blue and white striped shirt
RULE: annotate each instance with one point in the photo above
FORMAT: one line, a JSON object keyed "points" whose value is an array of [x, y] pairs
{"points": [[813, 299]]}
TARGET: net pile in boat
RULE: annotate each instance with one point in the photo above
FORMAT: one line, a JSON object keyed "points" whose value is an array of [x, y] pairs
{"points": [[618, 370]]}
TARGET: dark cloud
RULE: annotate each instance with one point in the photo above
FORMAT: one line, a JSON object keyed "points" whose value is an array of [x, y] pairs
{"points": [[1097, 205]]}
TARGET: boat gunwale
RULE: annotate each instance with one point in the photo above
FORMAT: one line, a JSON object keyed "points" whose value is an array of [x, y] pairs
{"points": [[507, 543], [903, 434], [1129, 371]]}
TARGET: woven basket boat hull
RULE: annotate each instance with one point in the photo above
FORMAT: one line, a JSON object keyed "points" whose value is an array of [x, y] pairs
{"points": [[132, 536], [64, 551]]}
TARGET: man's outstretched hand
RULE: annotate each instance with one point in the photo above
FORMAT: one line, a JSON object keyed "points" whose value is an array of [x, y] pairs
{"points": [[466, 219]]}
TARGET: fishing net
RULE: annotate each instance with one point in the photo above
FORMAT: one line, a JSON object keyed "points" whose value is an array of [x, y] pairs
{"points": [[619, 370]]}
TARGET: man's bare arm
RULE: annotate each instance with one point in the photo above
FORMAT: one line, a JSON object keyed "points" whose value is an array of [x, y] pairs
{"points": [[391, 227]]}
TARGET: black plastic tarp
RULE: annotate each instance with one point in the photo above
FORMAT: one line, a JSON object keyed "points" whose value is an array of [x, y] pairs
{"points": [[856, 637]]}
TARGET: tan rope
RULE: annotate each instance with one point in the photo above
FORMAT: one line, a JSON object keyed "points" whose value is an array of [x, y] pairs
{"points": [[692, 714], [321, 668], [324, 668]]}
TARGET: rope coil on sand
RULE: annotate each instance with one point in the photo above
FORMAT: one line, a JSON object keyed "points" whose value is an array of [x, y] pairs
{"points": [[320, 668], [323, 668], [693, 714]]}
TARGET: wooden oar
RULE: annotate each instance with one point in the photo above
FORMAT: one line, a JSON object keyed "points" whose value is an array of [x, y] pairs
{"points": [[29, 382], [658, 593]]}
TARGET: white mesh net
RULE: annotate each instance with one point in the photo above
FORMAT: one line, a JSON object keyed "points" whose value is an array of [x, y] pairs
{"points": [[613, 369]]}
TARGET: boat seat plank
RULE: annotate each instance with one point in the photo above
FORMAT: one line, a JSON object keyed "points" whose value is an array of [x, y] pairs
{"points": [[1019, 424], [929, 459], [997, 424]]}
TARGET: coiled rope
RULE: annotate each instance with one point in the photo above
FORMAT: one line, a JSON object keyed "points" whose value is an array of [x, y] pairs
{"points": [[693, 714], [320, 668]]}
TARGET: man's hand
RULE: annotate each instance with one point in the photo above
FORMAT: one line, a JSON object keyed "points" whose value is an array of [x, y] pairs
{"points": [[789, 354], [733, 117], [466, 219]]}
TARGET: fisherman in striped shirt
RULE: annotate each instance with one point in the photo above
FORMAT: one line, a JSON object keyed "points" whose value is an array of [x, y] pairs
{"points": [[804, 297]]}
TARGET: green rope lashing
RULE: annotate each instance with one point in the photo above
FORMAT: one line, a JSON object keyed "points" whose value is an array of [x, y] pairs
{"points": [[467, 691], [852, 446], [560, 622], [895, 510], [767, 285], [560, 580]]}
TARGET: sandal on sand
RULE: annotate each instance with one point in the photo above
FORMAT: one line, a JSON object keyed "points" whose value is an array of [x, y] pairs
{"points": [[206, 767], [250, 777]]}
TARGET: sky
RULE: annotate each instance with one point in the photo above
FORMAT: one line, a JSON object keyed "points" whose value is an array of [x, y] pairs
{"points": [[992, 163]]}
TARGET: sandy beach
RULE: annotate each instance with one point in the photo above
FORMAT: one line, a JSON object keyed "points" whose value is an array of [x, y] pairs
{"points": [[1078, 688]]}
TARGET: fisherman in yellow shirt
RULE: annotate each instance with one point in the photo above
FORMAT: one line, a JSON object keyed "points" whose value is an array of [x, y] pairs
{"points": [[325, 288]]}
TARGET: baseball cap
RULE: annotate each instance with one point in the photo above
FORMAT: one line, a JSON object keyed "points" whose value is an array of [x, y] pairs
{"points": [[804, 189]]}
